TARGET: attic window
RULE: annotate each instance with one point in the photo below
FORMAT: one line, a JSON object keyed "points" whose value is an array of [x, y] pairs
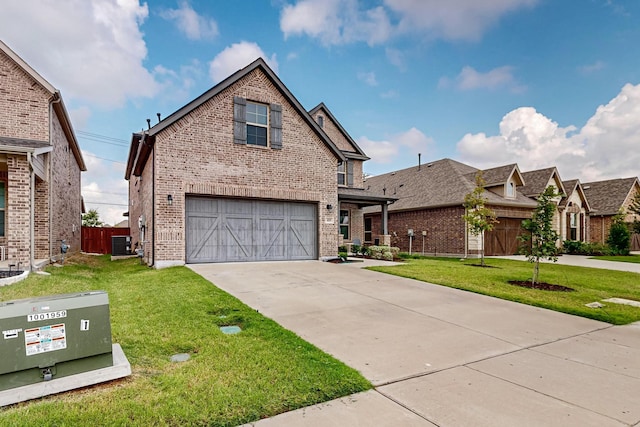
{"points": [[511, 189], [320, 121]]}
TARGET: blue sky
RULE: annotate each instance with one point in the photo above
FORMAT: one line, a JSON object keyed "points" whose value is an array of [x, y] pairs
{"points": [[537, 82]]}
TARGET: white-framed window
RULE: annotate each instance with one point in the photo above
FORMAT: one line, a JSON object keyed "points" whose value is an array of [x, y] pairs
{"points": [[257, 124], [511, 189], [368, 234], [344, 224], [342, 173]]}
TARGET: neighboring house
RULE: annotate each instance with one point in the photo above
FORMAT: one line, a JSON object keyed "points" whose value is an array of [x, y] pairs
{"points": [[606, 199], [40, 166], [574, 210], [430, 204], [241, 173]]}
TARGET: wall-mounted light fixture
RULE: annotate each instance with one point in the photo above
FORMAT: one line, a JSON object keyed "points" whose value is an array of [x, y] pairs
{"points": [[329, 207], [169, 199]]}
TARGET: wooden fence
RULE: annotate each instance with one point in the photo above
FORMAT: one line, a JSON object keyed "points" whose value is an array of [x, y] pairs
{"points": [[97, 240]]}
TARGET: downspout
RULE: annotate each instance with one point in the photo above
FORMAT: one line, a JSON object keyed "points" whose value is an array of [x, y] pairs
{"points": [[466, 238], [32, 211], [153, 209], [55, 100]]}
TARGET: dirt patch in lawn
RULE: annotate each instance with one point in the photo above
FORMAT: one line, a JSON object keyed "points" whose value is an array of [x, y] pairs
{"points": [[540, 285]]}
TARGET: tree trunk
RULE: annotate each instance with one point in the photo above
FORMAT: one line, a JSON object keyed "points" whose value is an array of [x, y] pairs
{"points": [[482, 248], [536, 271]]}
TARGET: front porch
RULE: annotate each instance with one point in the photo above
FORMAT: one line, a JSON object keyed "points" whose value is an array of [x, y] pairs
{"points": [[352, 226]]}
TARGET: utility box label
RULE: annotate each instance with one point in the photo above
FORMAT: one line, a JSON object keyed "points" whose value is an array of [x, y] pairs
{"points": [[45, 338]]}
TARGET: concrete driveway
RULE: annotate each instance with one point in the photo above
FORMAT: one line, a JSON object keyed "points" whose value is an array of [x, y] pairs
{"points": [[439, 356]]}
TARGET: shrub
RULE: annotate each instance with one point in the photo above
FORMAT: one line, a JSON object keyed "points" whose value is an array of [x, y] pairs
{"points": [[364, 251], [342, 255], [573, 247], [619, 239], [355, 249], [342, 249], [383, 252]]}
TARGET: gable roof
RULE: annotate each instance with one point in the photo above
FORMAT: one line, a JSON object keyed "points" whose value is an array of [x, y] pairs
{"points": [[536, 181], [441, 183], [607, 197], [501, 174], [138, 154], [55, 100], [570, 187], [359, 154]]}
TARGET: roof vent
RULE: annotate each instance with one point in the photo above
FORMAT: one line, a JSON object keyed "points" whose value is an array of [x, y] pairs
{"points": [[429, 165], [393, 173], [586, 187]]}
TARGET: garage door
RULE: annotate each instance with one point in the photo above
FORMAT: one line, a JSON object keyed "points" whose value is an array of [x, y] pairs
{"points": [[225, 230], [503, 239]]}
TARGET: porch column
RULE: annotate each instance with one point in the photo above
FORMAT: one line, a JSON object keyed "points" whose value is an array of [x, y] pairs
{"points": [[385, 215]]}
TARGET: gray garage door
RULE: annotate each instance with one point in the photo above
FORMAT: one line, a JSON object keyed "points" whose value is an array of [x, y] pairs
{"points": [[224, 230]]}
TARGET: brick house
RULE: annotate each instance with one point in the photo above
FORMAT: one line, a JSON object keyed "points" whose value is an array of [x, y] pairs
{"points": [[241, 173], [571, 219], [607, 198], [430, 204], [40, 166]]}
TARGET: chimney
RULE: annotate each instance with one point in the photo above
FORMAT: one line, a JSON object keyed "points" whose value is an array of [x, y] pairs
{"points": [[159, 119], [149, 123]]}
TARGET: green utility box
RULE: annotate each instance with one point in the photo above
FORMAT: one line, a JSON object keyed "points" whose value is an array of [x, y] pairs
{"points": [[55, 336]]}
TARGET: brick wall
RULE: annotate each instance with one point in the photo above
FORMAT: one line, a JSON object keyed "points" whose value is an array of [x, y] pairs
{"points": [[41, 223], [444, 226], [18, 209], [197, 155], [24, 104], [356, 221], [66, 215], [141, 203]]}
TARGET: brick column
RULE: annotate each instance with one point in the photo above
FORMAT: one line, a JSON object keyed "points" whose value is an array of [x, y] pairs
{"points": [[17, 227]]}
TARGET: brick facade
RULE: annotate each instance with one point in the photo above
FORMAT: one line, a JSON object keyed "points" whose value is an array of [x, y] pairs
{"points": [[196, 155], [26, 113]]}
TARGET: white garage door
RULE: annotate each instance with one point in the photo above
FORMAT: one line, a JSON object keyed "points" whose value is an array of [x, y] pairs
{"points": [[225, 230]]}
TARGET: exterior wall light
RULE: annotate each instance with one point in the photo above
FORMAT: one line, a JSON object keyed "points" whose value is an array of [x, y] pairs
{"points": [[329, 207], [169, 199]]}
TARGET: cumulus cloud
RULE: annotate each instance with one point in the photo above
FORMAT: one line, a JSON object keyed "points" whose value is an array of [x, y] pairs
{"points": [[605, 147], [470, 79], [236, 57], [335, 22], [396, 58], [368, 77], [103, 188], [192, 25], [412, 141], [92, 50], [467, 20]]}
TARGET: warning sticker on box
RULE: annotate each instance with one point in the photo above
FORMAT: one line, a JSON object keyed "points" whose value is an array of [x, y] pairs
{"points": [[45, 338]]}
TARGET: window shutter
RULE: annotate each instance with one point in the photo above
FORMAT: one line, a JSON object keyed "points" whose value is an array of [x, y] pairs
{"points": [[350, 174], [581, 225], [239, 120], [276, 126]]}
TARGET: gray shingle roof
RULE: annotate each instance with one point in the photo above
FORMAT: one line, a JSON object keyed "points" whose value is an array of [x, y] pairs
{"points": [[535, 182], [607, 197], [441, 183], [18, 142], [498, 175]]}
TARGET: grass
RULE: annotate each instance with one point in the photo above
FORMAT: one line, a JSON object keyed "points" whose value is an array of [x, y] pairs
{"points": [[590, 284], [229, 380], [627, 258]]}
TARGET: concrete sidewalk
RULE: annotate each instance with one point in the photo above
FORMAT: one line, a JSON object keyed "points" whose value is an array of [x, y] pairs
{"points": [[584, 261], [439, 356]]}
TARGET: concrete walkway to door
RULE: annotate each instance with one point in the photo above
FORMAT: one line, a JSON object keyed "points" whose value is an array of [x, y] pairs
{"points": [[439, 356]]}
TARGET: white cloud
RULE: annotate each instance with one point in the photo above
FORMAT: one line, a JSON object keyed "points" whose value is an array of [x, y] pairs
{"points": [[470, 79], [104, 189], [335, 22], [605, 147], [412, 142], [396, 58], [368, 77], [177, 84], [236, 57], [192, 25], [592, 68], [464, 20], [92, 50]]}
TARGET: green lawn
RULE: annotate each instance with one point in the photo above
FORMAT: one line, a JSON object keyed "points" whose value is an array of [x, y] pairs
{"points": [[629, 258], [229, 380], [590, 284]]}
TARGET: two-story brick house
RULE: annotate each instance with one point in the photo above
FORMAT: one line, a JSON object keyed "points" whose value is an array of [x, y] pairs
{"points": [[40, 166], [241, 173]]}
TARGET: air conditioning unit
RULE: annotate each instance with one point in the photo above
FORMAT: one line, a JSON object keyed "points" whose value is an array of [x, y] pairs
{"points": [[120, 245]]}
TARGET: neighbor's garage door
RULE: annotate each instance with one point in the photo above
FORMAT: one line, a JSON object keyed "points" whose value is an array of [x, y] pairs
{"points": [[222, 230], [503, 239]]}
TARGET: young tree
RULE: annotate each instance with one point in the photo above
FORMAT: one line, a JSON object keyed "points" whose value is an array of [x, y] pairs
{"points": [[540, 241], [479, 218], [619, 239], [634, 208], [91, 219]]}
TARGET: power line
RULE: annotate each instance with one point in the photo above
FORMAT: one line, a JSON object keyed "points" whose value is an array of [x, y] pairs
{"points": [[102, 139], [102, 158], [96, 135]]}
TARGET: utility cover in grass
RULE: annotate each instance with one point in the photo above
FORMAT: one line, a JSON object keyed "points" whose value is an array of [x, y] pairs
{"points": [[181, 357], [230, 330]]}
